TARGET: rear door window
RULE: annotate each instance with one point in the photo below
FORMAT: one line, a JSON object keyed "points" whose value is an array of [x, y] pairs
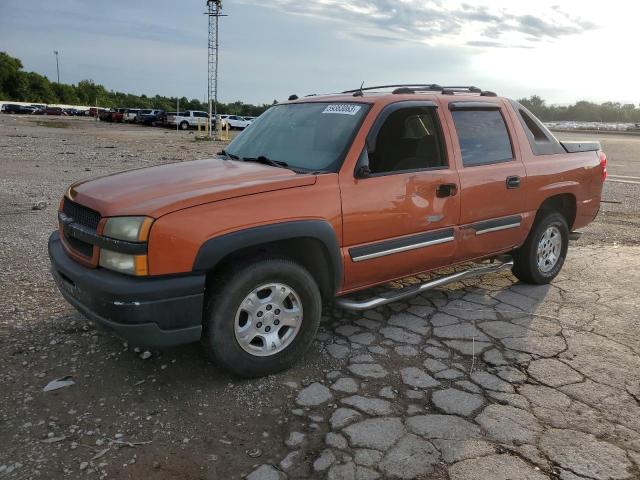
{"points": [[483, 137]]}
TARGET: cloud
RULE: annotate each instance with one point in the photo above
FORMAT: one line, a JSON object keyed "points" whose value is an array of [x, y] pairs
{"points": [[437, 21]]}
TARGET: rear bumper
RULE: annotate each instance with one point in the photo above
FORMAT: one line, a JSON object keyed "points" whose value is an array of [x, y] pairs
{"points": [[146, 311]]}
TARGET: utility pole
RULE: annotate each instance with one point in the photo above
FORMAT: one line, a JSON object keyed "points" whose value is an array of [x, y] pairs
{"points": [[214, 12], [57, 65]]}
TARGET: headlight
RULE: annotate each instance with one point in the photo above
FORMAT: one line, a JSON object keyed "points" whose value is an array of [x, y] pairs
{"points": [[131, 229]]}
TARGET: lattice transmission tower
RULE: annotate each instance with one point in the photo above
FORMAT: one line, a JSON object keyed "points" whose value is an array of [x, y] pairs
{"points": [[214, 12]]}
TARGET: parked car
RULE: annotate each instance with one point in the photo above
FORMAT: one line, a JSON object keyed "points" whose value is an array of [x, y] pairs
{"points": [[112, 115], [147, 117], [54, 111], [16, 109], [130, 114], [234, 122], [93, 111], [321, 198], [188, 119]]}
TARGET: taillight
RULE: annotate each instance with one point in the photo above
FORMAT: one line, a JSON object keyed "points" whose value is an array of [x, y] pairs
{"points": [[603, 165]]}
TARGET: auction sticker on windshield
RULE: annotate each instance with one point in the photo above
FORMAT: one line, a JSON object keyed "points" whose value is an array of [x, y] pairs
{"points": [[343, 109]]}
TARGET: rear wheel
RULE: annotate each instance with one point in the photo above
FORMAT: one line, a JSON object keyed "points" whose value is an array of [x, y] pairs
{"points": [[261, 317], [541, 257], [184, 125]]}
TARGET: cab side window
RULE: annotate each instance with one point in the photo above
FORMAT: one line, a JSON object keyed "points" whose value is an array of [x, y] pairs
{"points": [[409, 139], [483, 137]]}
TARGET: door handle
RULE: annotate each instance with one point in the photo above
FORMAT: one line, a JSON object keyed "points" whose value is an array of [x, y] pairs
{"points": [[513, 182], [446, 190]]}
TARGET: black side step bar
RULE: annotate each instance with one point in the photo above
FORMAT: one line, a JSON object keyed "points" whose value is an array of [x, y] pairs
{"points": [[394, 296]]}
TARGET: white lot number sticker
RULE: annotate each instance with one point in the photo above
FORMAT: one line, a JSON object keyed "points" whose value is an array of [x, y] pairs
{"points": [[343, 109]]}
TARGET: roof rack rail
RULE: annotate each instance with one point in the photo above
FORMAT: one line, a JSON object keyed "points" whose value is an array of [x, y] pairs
{"points": [[425, 87]]}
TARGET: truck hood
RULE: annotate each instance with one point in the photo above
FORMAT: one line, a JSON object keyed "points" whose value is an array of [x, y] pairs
{"points": [[156, 191]]}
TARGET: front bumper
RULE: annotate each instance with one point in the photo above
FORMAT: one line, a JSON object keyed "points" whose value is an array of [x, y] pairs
{"points": [[146, 311]]}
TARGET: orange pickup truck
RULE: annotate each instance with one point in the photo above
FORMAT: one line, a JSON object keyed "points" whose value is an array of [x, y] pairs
{"points": [[320, 197]]}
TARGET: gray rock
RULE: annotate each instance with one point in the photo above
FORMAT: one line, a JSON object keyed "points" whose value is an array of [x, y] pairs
{"points": [[335, 440], [553, 373], [516, 300], [510, 374], [442, 319], [406, 350], [338, 351], [367, 323], [449, 374], [411, 457], [461, 331], [512, 399], [456, 402], [378, 350], [584, 454], [345, 385], [387, 392], [447, 427], [494, 357], [455, 450], [468, 386], [362, 358], [432, 365], [290, 460], [417, 378], [313, 395], [495, 467], [367, 457], [294, 440], [347, 330], [422, 311], [372, 406], [364, 338], [363, 473], [469, 311], [541, 346], [501, 329], [346, 471], [342, 417], [324, 461], [491, 382], [436, 352], [509, 424], [375, 433], [401, 336], [415, 394], [468, 347], [368, 370], [410, 322], [266, 472]]}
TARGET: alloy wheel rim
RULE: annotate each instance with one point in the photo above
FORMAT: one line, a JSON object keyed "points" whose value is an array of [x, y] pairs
{"points": [[268, 319], [549, 249]]}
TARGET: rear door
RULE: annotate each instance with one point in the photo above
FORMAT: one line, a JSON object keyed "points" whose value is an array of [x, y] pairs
{"points": [[400, 217], [492, 177]]}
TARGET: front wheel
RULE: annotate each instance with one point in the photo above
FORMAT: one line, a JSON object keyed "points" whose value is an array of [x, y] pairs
{"points": [[541, 257], [262, 317], [184, 125]]}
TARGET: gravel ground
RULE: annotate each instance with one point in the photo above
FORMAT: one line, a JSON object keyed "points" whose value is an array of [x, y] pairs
{"points": [[486, 379]]}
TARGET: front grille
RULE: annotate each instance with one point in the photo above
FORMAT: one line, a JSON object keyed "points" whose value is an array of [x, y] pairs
{"points": [[79, 246], [85, 217], [80, 214]]}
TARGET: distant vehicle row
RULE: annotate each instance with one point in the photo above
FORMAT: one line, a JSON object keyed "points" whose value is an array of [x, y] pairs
{"points": [[184, 120]]}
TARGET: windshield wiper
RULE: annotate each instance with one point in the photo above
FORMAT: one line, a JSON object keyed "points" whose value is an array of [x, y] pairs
{"points": [[228, 155], [267, 161]]}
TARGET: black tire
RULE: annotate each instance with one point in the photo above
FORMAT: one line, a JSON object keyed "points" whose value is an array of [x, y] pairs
{"points": [[526, 267], [184, 125], [227, 294]]}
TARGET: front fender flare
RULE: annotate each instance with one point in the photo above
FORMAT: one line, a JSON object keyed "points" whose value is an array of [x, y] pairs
{"points": [[216, 249]]}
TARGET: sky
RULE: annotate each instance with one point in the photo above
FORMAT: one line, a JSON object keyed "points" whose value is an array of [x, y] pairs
{"points": [[562, 50]]}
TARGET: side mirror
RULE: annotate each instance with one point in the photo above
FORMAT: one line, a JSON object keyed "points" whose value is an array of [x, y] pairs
{"points": [[362, 167], [363, 171]]}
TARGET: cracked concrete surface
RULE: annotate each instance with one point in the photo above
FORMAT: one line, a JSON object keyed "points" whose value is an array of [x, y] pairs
{"points": [[488, 378]]}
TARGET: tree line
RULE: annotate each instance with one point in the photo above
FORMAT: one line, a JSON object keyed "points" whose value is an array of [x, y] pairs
{"points": [[20, 86], [583, 111]]}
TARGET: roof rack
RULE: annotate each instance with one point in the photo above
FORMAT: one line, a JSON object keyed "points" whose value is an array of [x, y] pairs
{"points": [[425, 87]]}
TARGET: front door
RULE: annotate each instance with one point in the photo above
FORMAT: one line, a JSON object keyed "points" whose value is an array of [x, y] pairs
{"points": [[401, 205], [492, 178]]}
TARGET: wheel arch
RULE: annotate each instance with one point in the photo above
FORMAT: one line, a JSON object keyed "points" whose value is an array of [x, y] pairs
{"points": [[312, 243], [563, 203]]}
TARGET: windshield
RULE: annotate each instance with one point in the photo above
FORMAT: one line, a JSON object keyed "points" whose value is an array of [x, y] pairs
{"points": [[307, 136]]}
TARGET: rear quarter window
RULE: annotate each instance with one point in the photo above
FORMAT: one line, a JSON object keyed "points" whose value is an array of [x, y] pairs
{"points": [[483, 137], [541, 140]]}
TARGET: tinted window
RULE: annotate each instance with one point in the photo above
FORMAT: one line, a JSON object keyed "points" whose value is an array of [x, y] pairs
{"points": [[409, 139], [483, 137], [541, 140], [200, 114]]}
